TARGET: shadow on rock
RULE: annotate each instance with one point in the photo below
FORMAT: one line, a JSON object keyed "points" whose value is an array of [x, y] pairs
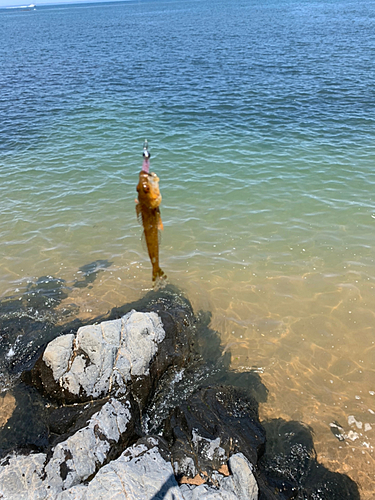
{"points": [[167, 486]]}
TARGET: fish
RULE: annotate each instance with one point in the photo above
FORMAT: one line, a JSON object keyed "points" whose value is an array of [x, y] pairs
{"points": [[148, 213]]}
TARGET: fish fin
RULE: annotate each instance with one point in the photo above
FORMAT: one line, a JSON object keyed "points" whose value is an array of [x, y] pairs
{"points": [[159, 275], [139, 212], [160, 222]]}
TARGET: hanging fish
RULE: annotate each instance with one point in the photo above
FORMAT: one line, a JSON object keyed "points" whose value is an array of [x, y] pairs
{"points": [[148, 211]]}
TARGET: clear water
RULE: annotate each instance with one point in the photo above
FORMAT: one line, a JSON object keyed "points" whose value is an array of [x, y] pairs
{"points": [[261, 121]]}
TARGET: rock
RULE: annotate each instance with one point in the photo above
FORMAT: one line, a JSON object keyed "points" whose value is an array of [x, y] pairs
{"points": [[290, 460], [99, 359], [152, 361], [89, 272], [132, 352], [27, 426], [209, 427], [21, 477], [241, 485], [243, 479], [72, 461], [142, 472]]}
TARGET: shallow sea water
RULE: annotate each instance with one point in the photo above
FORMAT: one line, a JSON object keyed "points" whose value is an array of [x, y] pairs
{"points": [[260, 117]]}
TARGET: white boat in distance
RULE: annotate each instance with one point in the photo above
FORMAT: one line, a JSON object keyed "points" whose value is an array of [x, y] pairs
{"points": [[24, 7]]}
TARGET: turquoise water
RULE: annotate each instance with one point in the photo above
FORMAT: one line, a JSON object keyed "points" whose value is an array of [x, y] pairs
{"points": [[261, 122]]}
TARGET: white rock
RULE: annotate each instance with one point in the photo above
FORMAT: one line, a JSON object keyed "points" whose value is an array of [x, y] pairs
{"points": [[138, 474], [58, 353], [21, 478], [88, 448], [141, 334], [105, 356], [204, 492], [75, 493], [72, 461], [244, 481]]}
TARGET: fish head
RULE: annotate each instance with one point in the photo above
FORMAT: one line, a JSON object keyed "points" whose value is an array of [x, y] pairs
{"points": [[148, 189]]}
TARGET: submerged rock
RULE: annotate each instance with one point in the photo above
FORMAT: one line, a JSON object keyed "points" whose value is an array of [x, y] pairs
{"points": [[89, 272], [290, 456], [27, 427]]}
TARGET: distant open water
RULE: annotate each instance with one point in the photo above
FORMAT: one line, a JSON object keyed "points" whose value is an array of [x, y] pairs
{"points": [[261, 121]]}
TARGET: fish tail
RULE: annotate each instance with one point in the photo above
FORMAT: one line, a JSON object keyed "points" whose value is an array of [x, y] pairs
{"points": [[158, 273]]}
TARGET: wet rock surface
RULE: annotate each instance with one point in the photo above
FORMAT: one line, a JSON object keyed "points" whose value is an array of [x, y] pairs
{"points": [[290, 454], [212, 425], [239, 485], [141, 405]]}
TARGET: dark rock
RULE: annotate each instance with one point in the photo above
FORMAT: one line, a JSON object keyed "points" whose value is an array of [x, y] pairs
{"points": [[89, 272], [46, 293], [209, 427], [337, 430], [27, 429], [290, 457], [28, 322]]}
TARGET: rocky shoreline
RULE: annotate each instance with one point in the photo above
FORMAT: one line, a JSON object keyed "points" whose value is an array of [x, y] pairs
{"points": [[142, 405]]}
